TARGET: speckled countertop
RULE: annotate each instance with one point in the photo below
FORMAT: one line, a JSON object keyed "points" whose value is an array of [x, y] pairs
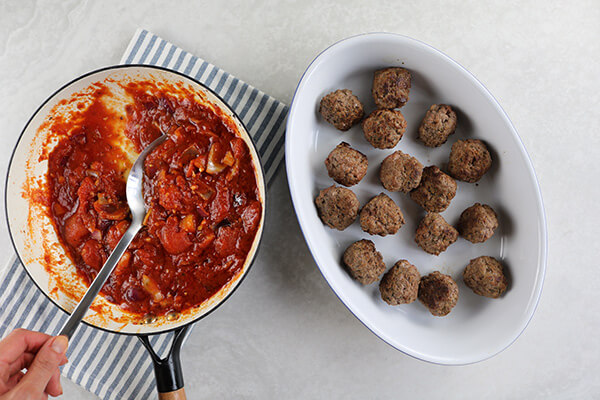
{"points": [[285, 334]]}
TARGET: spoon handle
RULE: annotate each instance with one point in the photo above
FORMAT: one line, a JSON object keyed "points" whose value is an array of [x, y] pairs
{"points": [[84, 304]]}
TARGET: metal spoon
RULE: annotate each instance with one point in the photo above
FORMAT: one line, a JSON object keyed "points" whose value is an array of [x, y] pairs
{"points": [[135, 200]]}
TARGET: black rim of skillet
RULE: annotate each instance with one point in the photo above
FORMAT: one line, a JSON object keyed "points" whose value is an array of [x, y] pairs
{"points": [[168, 370]]}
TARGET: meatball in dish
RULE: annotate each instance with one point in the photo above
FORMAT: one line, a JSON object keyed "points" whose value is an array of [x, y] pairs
{"points": [[485, 276], [477, 223], [400, 172], [341, 109], [435, 191], [381, 216], [391, 87], [363, 262], [439, 293], [345, 165], [469, 160], [434, 234], [438, 124], [400, 285], [384, 128], [337, 207]]}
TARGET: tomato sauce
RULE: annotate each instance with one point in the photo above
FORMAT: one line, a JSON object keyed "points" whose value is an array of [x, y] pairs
{"points": [[204, 205]]}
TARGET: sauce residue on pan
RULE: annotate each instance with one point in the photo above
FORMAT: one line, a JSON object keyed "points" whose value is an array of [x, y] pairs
{"points": [[200, 188]]}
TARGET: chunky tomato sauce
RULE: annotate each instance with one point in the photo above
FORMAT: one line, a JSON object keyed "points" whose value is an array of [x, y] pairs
{"points": [[204, 205]]}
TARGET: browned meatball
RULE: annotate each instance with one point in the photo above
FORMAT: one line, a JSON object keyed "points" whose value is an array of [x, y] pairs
{"points": [[400, 172], [434, 234], [438, 124], [435, 191], [345, 165], [384, 128], [381, 216], [469, 160], [484, 275], [439, 293], [364, 262], [400, 285], [337, 207], [391, 87], [342, 109], [477, 223]]}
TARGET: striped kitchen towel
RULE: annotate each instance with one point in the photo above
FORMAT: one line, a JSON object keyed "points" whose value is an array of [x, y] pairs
{"points": [[116, 366]]}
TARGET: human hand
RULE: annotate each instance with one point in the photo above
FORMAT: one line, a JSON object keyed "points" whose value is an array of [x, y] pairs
{"points": [[41, 355]]}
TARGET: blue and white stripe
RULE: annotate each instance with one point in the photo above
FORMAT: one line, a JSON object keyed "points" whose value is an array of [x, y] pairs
{"points": [[115, 366]]}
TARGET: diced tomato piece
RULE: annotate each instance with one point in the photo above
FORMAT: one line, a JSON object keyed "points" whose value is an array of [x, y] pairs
{"points": [[226, 240], [93, 254], [151, 168], [170, 195], [239, 148], [178, 136], [88, 219], [207, 236], [75, 231], [233, 171], [149, 255], [58, 209], [219, 207], [87, 190], [115, 232], [251, 216], [173, 239]]}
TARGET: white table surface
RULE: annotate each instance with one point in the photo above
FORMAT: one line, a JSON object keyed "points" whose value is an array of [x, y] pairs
{"points": [[284, 334]]}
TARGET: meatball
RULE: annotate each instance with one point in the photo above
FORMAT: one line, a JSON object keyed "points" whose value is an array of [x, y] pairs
{"points": [[484, 275], [342, 109], [400, 285], [439, 293], [384, 128], [400, 172], [438, 124], [469, 160], [434, 234], [381, 216], [477, 223], [337, 207], [391, 87], [435, 191], [363, 262], [345, 165]]}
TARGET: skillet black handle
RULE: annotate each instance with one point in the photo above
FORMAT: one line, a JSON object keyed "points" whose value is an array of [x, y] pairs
{"points": [[169, 376]]}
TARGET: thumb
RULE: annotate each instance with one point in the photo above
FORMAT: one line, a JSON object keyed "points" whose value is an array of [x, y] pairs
{"points": [[44, 365]]}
